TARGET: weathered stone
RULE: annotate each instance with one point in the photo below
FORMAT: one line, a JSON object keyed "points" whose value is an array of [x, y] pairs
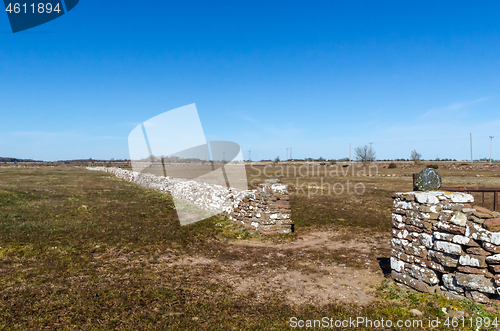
{"points": [[397, 265], [425, 239], [428, 180], [477, 251], [402, 256], [455, 238], [462, 240], [399, 243], [413, 228], [482, 215], [450, 282], [422, 273], [453, 206], [415, 221], [493, 259], [447, 260], [472, 243], [477, 296], [451, 228], [415, 312], [399, 226], [452, 295], [430, 216], [446, 247], [477, 232], [471, 270], [412, 282], [404, 205], [476, 282], [413, 248], [459, 219], [496, 278], [482, 209], [443, 236], [409, 196], [445, 215], [429, 209], [478, 261], [398, 211], [397, 218], [492, 224], [428, 264], [459, 197], [402, 234], [476, 219], [491, 248]]}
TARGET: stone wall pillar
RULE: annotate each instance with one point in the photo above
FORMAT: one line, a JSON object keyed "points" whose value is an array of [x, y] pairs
{"points": [[442, 243]]}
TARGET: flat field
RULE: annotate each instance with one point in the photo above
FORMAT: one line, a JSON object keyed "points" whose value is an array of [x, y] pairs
{"points": [[83, 250]]}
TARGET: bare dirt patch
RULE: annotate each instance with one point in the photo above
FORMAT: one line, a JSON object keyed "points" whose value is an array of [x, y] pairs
{"points": [[319, 268]]}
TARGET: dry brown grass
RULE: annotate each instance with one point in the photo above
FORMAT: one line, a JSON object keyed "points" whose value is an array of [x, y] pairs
{"points": [[84, 250]]}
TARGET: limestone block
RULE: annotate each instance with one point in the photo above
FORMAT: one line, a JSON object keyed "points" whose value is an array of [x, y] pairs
{"points": [[446, 247], [477, 296], [397, 265], [491, 248], [451, 228], [447, 260], [422, 273], [450, 282], [459, 219], [478, 251], [412, 282], [479, 233], [413, 248], [493, 259], [476, 282], [478, 261], [472, 270]]}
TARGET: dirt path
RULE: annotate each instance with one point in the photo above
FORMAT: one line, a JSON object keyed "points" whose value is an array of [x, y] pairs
{"points": [[318, 268]]}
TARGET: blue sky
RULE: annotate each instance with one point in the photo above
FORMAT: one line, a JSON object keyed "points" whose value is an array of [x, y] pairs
{"points": [[314, 75]]}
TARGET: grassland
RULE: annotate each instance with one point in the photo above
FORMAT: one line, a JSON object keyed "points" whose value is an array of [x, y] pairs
{"points": [[84, 250]]}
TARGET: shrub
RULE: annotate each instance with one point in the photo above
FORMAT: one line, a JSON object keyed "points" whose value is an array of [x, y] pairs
{"points": [[392, 165], [433, 166]]}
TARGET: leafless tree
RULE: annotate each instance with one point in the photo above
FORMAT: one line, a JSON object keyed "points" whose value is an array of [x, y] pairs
{"points": [[365, 154], [415, 156]]}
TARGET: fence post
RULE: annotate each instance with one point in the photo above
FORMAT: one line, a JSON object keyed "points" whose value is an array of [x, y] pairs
{"points": [[495, 201], [163, 164]]}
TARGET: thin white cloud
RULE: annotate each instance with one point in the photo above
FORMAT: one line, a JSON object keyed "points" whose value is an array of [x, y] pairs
{"points": [[249, 119], [453, 106]]}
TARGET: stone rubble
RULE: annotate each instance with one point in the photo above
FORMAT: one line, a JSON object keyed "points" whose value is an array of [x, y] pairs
{"points": [[265, 209], [441, 243]]}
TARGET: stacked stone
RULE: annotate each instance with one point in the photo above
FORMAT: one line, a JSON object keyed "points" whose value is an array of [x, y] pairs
{"points": [[266, 209], [441, 243]]}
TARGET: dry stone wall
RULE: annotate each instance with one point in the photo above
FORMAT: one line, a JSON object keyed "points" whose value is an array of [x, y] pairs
{"points": [[265, 209], [442, 243]]}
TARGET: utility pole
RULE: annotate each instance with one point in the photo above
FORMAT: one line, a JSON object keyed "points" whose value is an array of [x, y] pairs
{"points": [[350, 160], [287, 153], [290, 152], [491, 142], [249, 159], [471, 161]]}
